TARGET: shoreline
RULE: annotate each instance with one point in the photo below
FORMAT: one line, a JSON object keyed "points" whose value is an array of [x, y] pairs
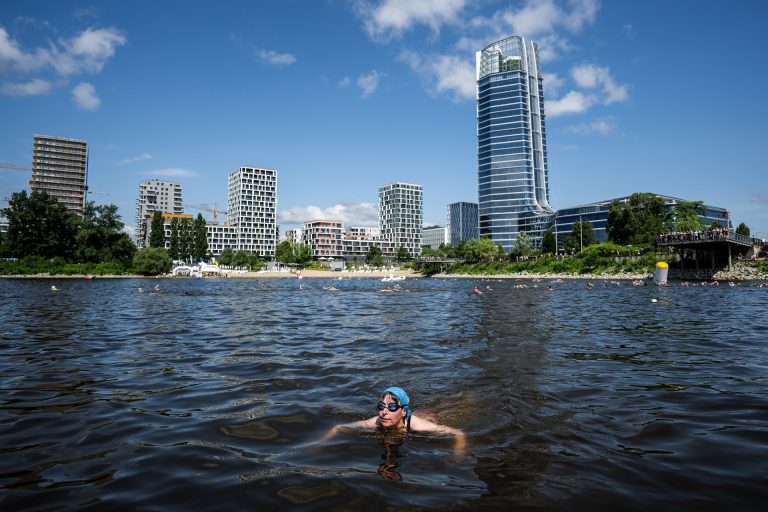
{"points": [[409, 274]]}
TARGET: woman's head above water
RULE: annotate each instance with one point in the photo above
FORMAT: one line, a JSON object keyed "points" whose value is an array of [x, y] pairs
{"points": [[394, 408]]}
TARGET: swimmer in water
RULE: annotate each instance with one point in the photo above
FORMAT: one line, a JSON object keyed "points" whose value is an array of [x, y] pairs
{"points": [[477, 291], [394, 415]]}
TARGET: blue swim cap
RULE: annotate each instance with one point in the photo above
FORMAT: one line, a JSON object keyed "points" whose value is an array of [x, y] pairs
{"points": [[402, 397]]}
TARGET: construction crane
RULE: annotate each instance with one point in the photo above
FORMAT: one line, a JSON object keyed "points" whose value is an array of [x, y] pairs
{"points": [[214, 210], [5, 165]]}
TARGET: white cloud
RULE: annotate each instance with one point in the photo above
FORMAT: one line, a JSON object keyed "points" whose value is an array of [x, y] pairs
{"points": [[139, 158], [391, 18], [360, 214], [552, 84], [589, 76], [89, 51], [344, 82], [274, 58], [172, 172], [539, 17], [34, 87], [369, 82], [574, 102], [84, 96], [445, 74], [601, 126]]}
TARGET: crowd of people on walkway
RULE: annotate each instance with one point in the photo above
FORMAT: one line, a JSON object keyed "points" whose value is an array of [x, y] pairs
{"points": [[695, 236]]}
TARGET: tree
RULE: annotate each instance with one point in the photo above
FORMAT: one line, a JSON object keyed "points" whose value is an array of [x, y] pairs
{"points": [[173, 251], [403, 254], [284, 252], [742, 229], [199, 238], [157, 230], [479, 249], [302, 253], [640, 220], [186, 239], [152, 261], [549, 243], [582, 235], [241, 258], [686, 216], [226, 257], [101, 237], [38, 225], [523, 245], [374, 256]]}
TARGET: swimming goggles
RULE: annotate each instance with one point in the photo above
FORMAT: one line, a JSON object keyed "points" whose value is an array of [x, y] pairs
{"points": [[391, 407]]}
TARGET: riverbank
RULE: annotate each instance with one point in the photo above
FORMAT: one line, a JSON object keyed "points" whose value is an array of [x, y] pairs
{"points": [[735, 273]]}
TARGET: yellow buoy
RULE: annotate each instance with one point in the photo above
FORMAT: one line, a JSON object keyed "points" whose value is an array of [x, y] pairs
{"points": [[660, 274]]}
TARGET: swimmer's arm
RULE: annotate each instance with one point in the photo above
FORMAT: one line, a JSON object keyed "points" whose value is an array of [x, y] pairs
{"points": [[360, 425], [422, 425]]}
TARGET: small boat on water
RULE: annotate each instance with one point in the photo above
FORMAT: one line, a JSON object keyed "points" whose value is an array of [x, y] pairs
{"points": [[392, 277]]}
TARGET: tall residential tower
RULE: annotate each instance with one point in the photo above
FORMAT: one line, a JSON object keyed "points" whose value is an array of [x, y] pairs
{"points": [[400, 216], [511, 143], [252, 203], [59, 167], [155, 195]]}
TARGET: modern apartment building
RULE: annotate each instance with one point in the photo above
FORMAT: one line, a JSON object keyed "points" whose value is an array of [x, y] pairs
{"points": [[60, 167], [434, 237], [324, 238], [362, 233], [252, 204], [400, 216], [513, 185], [155, 195], [462, 222]]}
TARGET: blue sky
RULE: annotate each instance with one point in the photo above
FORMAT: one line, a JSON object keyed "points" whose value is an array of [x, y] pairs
{"points": [[344, 96]]}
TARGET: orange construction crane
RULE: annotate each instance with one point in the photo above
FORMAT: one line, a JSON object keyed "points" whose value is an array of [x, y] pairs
{"points": [[214, 210]]}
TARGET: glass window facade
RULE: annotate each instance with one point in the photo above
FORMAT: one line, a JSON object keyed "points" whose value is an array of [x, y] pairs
{"points": [[513, 190]]}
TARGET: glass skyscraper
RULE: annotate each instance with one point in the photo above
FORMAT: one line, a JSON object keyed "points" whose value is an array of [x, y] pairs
{"points": [[462, 222], [513, 191]]}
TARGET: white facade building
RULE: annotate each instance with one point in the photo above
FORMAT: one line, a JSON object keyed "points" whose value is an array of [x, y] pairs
{"points": [[252, 204], [400, 215], [155, 195], [295, 236], [324, 238], [434, 236]]}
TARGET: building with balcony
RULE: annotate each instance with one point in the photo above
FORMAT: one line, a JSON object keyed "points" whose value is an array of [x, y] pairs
{"points": [[324, 238], [60, 168], [155, 195], [400, 216], [252, 204]]}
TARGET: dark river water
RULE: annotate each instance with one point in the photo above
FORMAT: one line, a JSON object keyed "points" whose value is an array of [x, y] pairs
{"points": [[213, 395]]}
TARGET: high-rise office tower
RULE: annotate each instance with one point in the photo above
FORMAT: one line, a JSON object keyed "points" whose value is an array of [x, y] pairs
{"points": [[462, 222], [511, 143], [155, 195], [60, 167], [400, 216], [252, 204]]}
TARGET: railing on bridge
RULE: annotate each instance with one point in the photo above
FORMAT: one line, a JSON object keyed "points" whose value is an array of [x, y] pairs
{"points": [[710, 235]]}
